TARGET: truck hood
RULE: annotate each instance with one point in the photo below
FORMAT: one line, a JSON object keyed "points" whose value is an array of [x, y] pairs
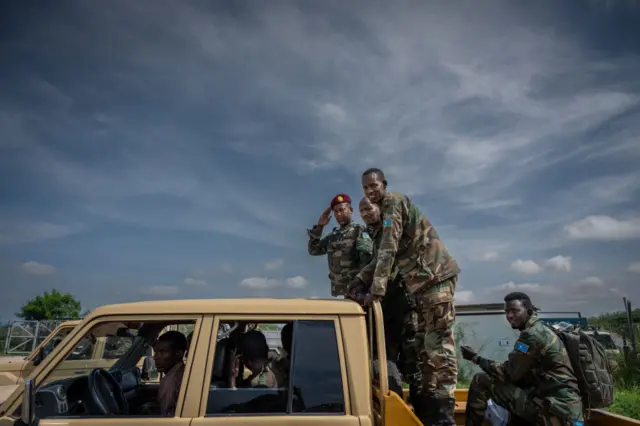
{"points": [[6, 360]]}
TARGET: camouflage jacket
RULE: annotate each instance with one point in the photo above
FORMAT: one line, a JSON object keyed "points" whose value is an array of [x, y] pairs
{"points": [[411, 242], [539, 361], [348, 250], [376, 237], [264, 378]]}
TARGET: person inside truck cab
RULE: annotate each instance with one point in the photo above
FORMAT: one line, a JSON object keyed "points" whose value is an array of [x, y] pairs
{"points": [[254, 354], [169, 353], [281, 365]]}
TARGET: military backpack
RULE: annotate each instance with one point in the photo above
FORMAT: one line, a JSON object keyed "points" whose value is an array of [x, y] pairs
{"points": [[591, 367]]}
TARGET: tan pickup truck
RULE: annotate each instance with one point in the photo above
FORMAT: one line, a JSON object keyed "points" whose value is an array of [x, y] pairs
{"points": [[13, 370], [89, 354], [329, 381]]}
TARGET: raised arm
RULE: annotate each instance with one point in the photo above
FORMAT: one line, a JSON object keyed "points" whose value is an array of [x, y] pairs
{"points": [[317, 245], [520, 362]]}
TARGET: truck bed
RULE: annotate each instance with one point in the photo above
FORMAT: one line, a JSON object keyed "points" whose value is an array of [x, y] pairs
{"points": [[597, 417]]}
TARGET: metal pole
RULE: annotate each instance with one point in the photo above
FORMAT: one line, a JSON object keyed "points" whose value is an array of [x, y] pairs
{"points": [[632, 334], [34, 344], [7, 338]]}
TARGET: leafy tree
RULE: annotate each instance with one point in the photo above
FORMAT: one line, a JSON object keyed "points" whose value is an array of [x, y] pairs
{"points": [[51, 306]]}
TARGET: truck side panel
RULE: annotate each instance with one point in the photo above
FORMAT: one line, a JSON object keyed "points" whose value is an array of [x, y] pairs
{"points": [[358, 367]]}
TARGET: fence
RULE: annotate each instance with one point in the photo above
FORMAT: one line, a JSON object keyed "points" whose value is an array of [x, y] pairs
{"points": [[22, 337]]}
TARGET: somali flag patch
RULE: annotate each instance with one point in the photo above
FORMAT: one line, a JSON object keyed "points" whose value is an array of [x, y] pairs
{"points": [[387, 222], [521, 347]]}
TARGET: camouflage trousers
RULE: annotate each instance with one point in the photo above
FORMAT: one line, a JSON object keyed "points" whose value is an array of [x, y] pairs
{"points": [[435, 340], [520, 403]]}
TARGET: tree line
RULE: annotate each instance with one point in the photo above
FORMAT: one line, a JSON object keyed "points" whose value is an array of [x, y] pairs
{"points": [[52, 306]]}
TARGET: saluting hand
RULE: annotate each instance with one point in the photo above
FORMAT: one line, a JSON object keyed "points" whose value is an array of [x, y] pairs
{"points": [[325, 217], [467, 352]]}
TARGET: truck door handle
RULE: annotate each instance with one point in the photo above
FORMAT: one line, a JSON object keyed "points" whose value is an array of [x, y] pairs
{"points": [[78, 372]]}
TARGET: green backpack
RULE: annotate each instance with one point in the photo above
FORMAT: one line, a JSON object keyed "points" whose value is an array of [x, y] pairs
{"points": [[591, 367]]}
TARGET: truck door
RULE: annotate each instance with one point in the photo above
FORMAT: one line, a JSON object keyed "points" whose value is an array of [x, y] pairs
{"points": [[379, 375], [306, 385], [389, 408]]}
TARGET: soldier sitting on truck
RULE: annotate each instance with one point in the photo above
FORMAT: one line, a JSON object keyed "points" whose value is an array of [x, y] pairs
{"points": [[254, 354], [537, 384]]}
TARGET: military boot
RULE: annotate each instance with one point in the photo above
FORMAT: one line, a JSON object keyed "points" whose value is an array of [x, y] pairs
{"points": [[425, 408], [444, 412]]}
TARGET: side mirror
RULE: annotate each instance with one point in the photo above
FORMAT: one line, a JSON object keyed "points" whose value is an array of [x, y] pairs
{"points": [[39, 357], [28, 403]]}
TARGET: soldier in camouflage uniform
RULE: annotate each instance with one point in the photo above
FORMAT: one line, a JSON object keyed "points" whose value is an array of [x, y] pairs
{"points": [[536, 383], [398, 307], [254, 352], [430, 274], [348, 247]]}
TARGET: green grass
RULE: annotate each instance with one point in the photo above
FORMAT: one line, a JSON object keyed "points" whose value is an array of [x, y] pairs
{"points": [[626, 403]]}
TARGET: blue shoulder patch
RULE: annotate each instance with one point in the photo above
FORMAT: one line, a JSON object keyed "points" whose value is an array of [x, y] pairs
{"points": [[387, 222], [521, 347], [366, 236]]}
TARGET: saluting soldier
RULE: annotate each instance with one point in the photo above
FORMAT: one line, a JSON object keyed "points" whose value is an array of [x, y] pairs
{"points": [[348, 247], [410, 241]]}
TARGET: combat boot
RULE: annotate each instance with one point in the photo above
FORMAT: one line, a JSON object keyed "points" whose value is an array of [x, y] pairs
{"points": [[445, 414], [425, 408]]}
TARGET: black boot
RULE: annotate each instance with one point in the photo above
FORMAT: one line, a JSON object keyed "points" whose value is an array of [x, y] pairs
{"points": [[446, 412], [425, 408]]}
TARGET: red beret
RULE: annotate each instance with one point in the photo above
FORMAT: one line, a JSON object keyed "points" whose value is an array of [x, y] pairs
{"points": [[339, 199]]}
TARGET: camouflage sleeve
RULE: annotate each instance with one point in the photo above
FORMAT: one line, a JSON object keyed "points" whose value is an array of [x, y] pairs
{"points": [[317, 245], [520, 362], [366, 274], [364, 248], [386, 256]]}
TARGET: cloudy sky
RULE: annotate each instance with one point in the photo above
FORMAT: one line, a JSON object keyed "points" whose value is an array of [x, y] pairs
{"points": [[172, 149]]}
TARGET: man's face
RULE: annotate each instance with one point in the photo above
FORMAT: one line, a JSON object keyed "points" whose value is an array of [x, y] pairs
{"points": [[369, 212], [343, 213], [166, 356], [373, 187], [517, 314]]}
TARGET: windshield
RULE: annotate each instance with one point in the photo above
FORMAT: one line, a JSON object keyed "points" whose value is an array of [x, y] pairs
{"points": [[489, 334], [605, 340], [55, 341]]}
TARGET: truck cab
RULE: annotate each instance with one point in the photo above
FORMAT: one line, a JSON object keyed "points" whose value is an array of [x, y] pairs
{"points": [[328, 378]]}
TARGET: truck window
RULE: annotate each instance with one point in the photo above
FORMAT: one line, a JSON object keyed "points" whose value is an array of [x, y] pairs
{"points": [[97, 387], [55, 341], [277, 375]]}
